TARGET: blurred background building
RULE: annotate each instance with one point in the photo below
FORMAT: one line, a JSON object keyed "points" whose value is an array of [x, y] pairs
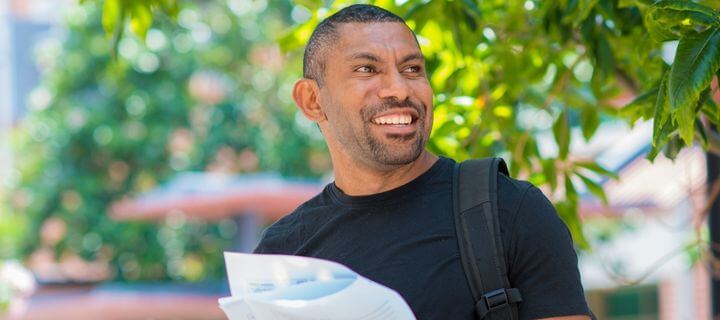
{"points": [[22, 25], [645, 263]]}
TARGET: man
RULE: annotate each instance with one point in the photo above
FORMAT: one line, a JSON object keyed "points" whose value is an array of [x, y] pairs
{"points": [[388, 215]]}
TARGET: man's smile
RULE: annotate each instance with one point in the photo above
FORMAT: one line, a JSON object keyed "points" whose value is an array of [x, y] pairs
{"points": [[403, 131], [397, 122], [402, 119]]}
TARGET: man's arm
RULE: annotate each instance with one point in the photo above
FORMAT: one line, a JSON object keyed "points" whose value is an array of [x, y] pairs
{"points": [[579, 317], [542, 259]]}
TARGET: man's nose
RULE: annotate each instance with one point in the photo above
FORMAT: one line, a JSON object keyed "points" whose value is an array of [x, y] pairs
{"points": [[394, 85]]}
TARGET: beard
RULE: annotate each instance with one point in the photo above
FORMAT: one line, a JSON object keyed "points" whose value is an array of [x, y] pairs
{"points": [[393, 149]]}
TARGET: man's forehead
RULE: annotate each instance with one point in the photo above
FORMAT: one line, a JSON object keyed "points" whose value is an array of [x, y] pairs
{"points": [[375, 38]]}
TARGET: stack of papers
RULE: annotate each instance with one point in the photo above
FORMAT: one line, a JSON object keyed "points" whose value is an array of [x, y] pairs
{"points": [[280, 287]]}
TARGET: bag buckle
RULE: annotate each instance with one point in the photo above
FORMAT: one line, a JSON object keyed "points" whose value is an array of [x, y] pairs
{"points": [[496, 299]]}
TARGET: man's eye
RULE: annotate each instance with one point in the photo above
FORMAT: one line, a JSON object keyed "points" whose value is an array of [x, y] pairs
{"points": [[365, 69], [413, 69]]}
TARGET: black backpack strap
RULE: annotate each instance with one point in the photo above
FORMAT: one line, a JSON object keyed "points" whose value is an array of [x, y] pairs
{"points": [[478, 231]]}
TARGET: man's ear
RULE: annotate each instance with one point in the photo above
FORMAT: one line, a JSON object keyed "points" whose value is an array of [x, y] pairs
{"points": [[306, 94]]}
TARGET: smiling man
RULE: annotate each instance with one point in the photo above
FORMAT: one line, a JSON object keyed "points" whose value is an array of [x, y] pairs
{"points": [[388, 215]]}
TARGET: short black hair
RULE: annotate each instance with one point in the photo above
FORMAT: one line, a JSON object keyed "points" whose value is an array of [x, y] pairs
{"points": [[326, 32]]}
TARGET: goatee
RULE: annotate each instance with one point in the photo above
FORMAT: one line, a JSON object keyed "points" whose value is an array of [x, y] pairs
{"points": [[400, 153]]}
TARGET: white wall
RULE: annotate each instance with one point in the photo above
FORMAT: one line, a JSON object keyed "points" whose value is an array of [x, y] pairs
{"points": [[6, 91]]}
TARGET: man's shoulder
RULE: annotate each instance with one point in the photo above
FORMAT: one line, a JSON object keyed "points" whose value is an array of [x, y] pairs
{"points": [[280, 236], [511, 192], [523, 209], [298, 215], [319, 202]]}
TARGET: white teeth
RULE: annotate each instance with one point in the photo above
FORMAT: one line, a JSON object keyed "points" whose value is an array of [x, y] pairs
{"points": [[403, 119]]}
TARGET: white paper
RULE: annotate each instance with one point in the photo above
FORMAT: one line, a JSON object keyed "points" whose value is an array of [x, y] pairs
{"points": [[279, 287]]}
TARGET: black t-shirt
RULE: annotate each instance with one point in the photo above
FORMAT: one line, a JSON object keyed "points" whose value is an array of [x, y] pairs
{"points": [[405, 239]]}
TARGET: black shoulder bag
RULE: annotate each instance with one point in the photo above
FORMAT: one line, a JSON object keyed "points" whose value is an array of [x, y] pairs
{"points": [[478, 232]]}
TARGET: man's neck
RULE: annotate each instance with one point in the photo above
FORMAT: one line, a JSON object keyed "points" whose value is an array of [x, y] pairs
{"points": [[356, 179]]}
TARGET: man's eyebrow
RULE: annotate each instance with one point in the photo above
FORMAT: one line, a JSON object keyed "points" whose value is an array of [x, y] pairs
{"points": [[412, 56], [374, 58], [365, 56]]}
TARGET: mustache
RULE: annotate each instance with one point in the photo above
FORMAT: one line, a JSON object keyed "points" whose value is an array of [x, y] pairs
{"points": [[369, 112]]}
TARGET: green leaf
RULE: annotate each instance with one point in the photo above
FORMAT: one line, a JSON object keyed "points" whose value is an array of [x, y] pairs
{"points": [[548, 166], [597, 168], [626, 4], [472, 8], [692, 9], [667, 130], [710, 109], [700, 129], [570, 191], [590, 122], [170, 7], [604, 56], [530, 151], [312, 5], [674, 19], [594, 188], [675, 144], [642, 106], [569, 214], [140, 18], [297, 38], [696, 60], [446, 129], [113, 21], [634, 3], [704, 96], [662, 113], [561, 131], [644, 97], [537, 178], [579, 10], [414, 10], [111, 13]]}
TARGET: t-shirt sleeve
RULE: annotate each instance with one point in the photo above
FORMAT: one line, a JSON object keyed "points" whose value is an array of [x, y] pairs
{"points": [[265, 244], [276, 239], [543, 262]]}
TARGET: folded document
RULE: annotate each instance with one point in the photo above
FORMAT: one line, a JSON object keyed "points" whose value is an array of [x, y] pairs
{"points": [[280, 287]]}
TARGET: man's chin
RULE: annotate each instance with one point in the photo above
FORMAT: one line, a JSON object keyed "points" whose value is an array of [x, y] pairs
{"points": [[397, 155], [392, 150]]}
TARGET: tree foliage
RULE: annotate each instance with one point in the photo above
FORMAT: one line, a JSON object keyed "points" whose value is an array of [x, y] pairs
{"points": [[207, 91], [506, 74]]}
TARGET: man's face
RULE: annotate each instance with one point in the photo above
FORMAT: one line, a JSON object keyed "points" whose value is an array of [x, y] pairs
{"points": [[376, 95]]}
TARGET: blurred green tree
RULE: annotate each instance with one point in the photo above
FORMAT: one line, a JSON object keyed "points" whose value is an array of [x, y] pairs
{"points": [[207, 91], [505, 71]]}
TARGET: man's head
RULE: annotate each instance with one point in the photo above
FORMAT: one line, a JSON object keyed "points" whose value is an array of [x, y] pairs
{"points": [[326, 33], [365, 85]]}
